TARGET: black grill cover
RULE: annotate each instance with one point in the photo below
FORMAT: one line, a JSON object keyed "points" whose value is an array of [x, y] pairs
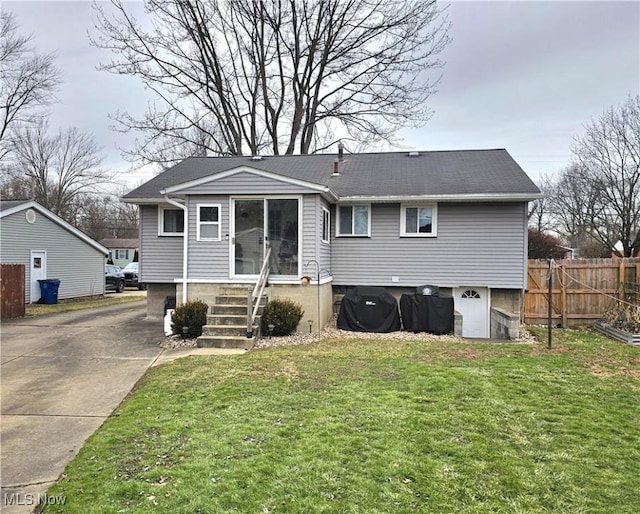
{"points": [[369, 309], [427, 313], [428, 290]]}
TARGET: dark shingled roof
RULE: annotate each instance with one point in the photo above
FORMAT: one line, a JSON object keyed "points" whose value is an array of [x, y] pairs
{"points": [[463, 172], [5, 205], [119, 243]]}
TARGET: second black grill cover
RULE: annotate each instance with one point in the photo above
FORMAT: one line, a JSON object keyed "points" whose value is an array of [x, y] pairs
{"points": [[427, 313], [369, 309]]}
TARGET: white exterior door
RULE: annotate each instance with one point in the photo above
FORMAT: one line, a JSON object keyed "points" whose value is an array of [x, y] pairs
{"points": [[473, 304], [38, 272]]}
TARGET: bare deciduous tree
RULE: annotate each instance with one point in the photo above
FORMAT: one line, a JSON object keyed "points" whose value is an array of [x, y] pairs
{"points": [[539, 210], [608, 169], [569, 199], [57, 170], [107, 217], [274, 76], [28, 83]]}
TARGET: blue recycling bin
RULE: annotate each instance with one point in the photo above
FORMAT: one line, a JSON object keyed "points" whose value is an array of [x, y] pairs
{"points": [[49, 290]]}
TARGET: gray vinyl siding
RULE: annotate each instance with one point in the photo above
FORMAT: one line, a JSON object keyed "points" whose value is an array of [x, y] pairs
{"points": [[78, 265], [325, 248], [160, 256], [245, 183], [312, 246], [476, 244], [208, 260], [310, 237]]}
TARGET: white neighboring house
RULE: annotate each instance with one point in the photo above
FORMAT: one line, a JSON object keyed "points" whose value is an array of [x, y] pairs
{"points": [[121, 251], [50, 248]]}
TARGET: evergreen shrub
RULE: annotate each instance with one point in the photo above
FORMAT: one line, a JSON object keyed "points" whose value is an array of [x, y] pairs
{"points": [[284, 314], [193, 315]]}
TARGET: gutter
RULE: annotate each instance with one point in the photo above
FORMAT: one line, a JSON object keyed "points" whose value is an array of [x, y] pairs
{"points": [[473, 197], [185, 242]]}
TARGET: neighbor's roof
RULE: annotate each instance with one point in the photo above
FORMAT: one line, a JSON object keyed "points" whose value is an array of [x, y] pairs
{"points": [[479, 174], [8, 207], [12, 205], [119, 243]]}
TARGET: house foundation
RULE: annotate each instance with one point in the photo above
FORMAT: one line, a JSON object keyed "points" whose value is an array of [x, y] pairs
{"points": [[321, 303], [316, 301], [156, 296]]}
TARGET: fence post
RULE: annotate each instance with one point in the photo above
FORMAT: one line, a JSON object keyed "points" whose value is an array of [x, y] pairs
{"points": [[550, 306], [563, 285], [636, 288]]}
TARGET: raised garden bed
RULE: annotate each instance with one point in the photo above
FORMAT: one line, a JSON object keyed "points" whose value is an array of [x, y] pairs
{"points": [[617, 334]]}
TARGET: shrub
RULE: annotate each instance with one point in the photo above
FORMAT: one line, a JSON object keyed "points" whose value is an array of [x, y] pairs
{"points": [[192, 314], [284, 314]]}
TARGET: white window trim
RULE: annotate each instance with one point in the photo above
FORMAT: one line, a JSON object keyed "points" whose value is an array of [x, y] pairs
{"points": [[161, 231], [368, 234], [434, 220], [326, 222], [200, 223]]}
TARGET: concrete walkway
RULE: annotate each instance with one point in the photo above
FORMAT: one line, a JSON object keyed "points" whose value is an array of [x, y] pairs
{"points": [[61, 376]]}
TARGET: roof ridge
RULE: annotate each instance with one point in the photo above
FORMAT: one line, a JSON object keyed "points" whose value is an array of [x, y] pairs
{"points": [[387, 152]]}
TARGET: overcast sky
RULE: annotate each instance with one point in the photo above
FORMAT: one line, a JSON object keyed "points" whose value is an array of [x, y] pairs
{"points": [[520, 75]]}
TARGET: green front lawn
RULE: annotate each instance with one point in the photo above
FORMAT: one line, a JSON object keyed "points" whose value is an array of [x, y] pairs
{"points": [[355, 426]]}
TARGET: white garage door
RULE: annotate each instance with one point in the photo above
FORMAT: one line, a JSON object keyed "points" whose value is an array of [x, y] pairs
{"points": [[473, 304]]}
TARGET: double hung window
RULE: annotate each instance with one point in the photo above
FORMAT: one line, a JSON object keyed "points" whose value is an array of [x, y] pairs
{"points": [[208, 222]]}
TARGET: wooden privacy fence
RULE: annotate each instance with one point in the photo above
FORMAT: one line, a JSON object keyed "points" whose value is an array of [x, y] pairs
{"points": [[582, 289], [11, 290]]}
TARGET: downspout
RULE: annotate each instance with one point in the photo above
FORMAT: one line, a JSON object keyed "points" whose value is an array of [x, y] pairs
{"points": [[185, 243], [525, 278]]}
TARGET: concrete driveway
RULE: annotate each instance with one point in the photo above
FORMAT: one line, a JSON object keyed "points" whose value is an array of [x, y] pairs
{"points": [[62, 375]]}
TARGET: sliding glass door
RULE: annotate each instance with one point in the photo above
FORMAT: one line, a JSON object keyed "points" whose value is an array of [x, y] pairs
{"points": [[248, 239], [257, 222]]}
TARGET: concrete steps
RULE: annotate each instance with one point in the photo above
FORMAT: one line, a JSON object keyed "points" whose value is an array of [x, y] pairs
{"points": [[227, 321], [226, 342]]}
